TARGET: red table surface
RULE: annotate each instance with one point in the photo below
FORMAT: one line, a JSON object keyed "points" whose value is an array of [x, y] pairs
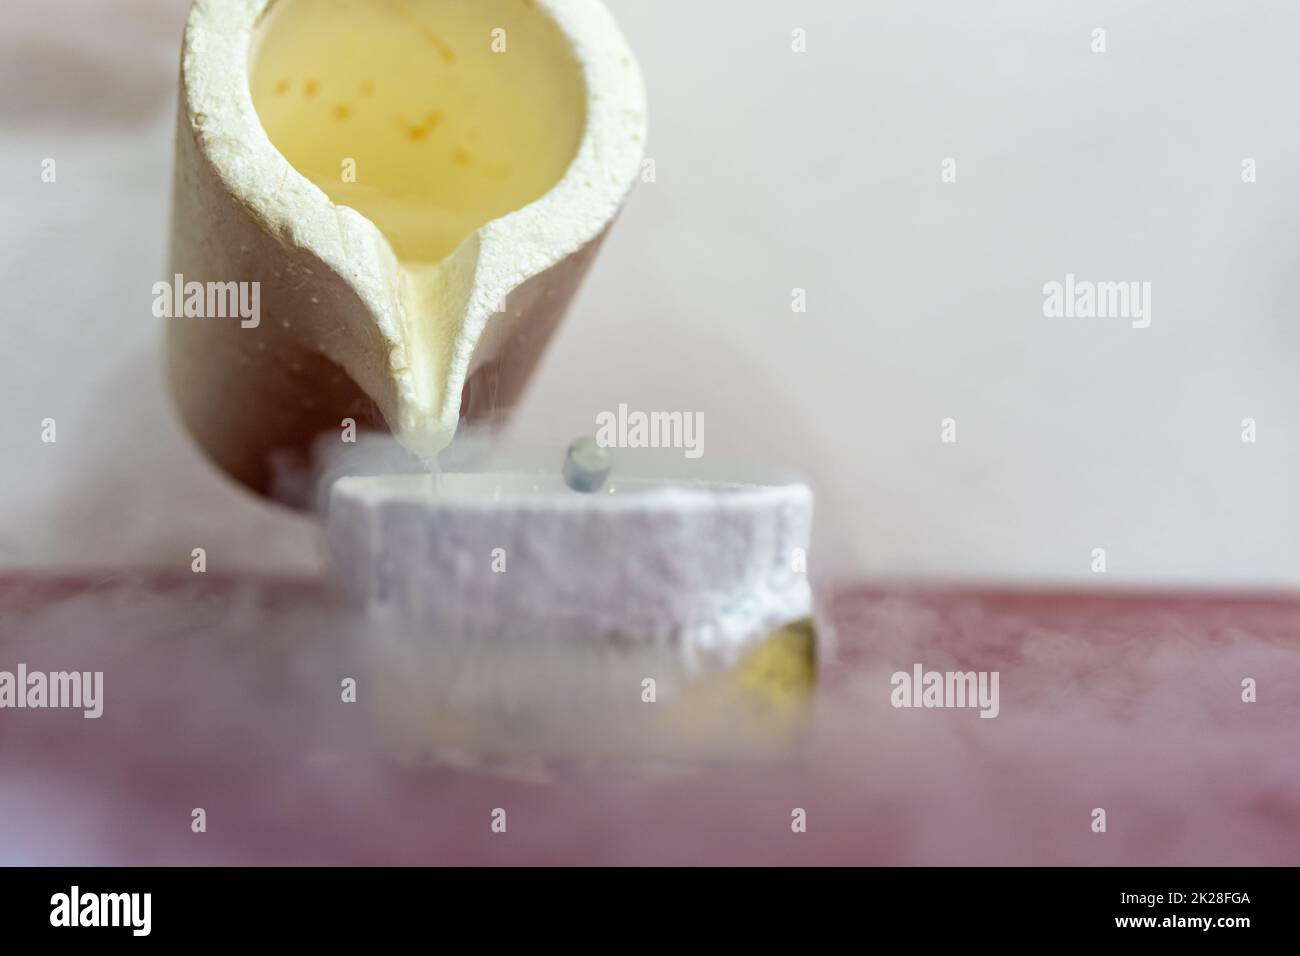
{"points": [[225, 695]]}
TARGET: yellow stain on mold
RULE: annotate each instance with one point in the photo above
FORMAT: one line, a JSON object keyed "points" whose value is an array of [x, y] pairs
{"points": [[759, 708]]}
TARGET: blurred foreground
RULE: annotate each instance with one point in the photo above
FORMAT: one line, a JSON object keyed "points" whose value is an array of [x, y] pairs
{"points": [[226, 696]]}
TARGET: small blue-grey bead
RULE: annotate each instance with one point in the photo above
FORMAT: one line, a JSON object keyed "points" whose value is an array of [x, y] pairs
{"points": [[586, 466]]}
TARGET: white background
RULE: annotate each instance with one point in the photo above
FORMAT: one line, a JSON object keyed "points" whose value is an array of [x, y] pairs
{"points": [[775, 170]]}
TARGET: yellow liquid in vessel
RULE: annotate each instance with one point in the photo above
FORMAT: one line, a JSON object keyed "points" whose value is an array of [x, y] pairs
{"points": [[429, 117]]}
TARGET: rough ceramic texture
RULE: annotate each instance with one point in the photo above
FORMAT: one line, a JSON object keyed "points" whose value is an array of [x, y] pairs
{"points": [[701, 571], [331, 342]]}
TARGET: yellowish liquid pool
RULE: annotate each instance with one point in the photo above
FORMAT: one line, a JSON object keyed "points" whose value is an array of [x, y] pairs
{"points": [[429, 117]]}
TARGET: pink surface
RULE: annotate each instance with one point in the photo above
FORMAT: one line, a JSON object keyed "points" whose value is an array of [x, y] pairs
{"points": [[226, 696]]}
